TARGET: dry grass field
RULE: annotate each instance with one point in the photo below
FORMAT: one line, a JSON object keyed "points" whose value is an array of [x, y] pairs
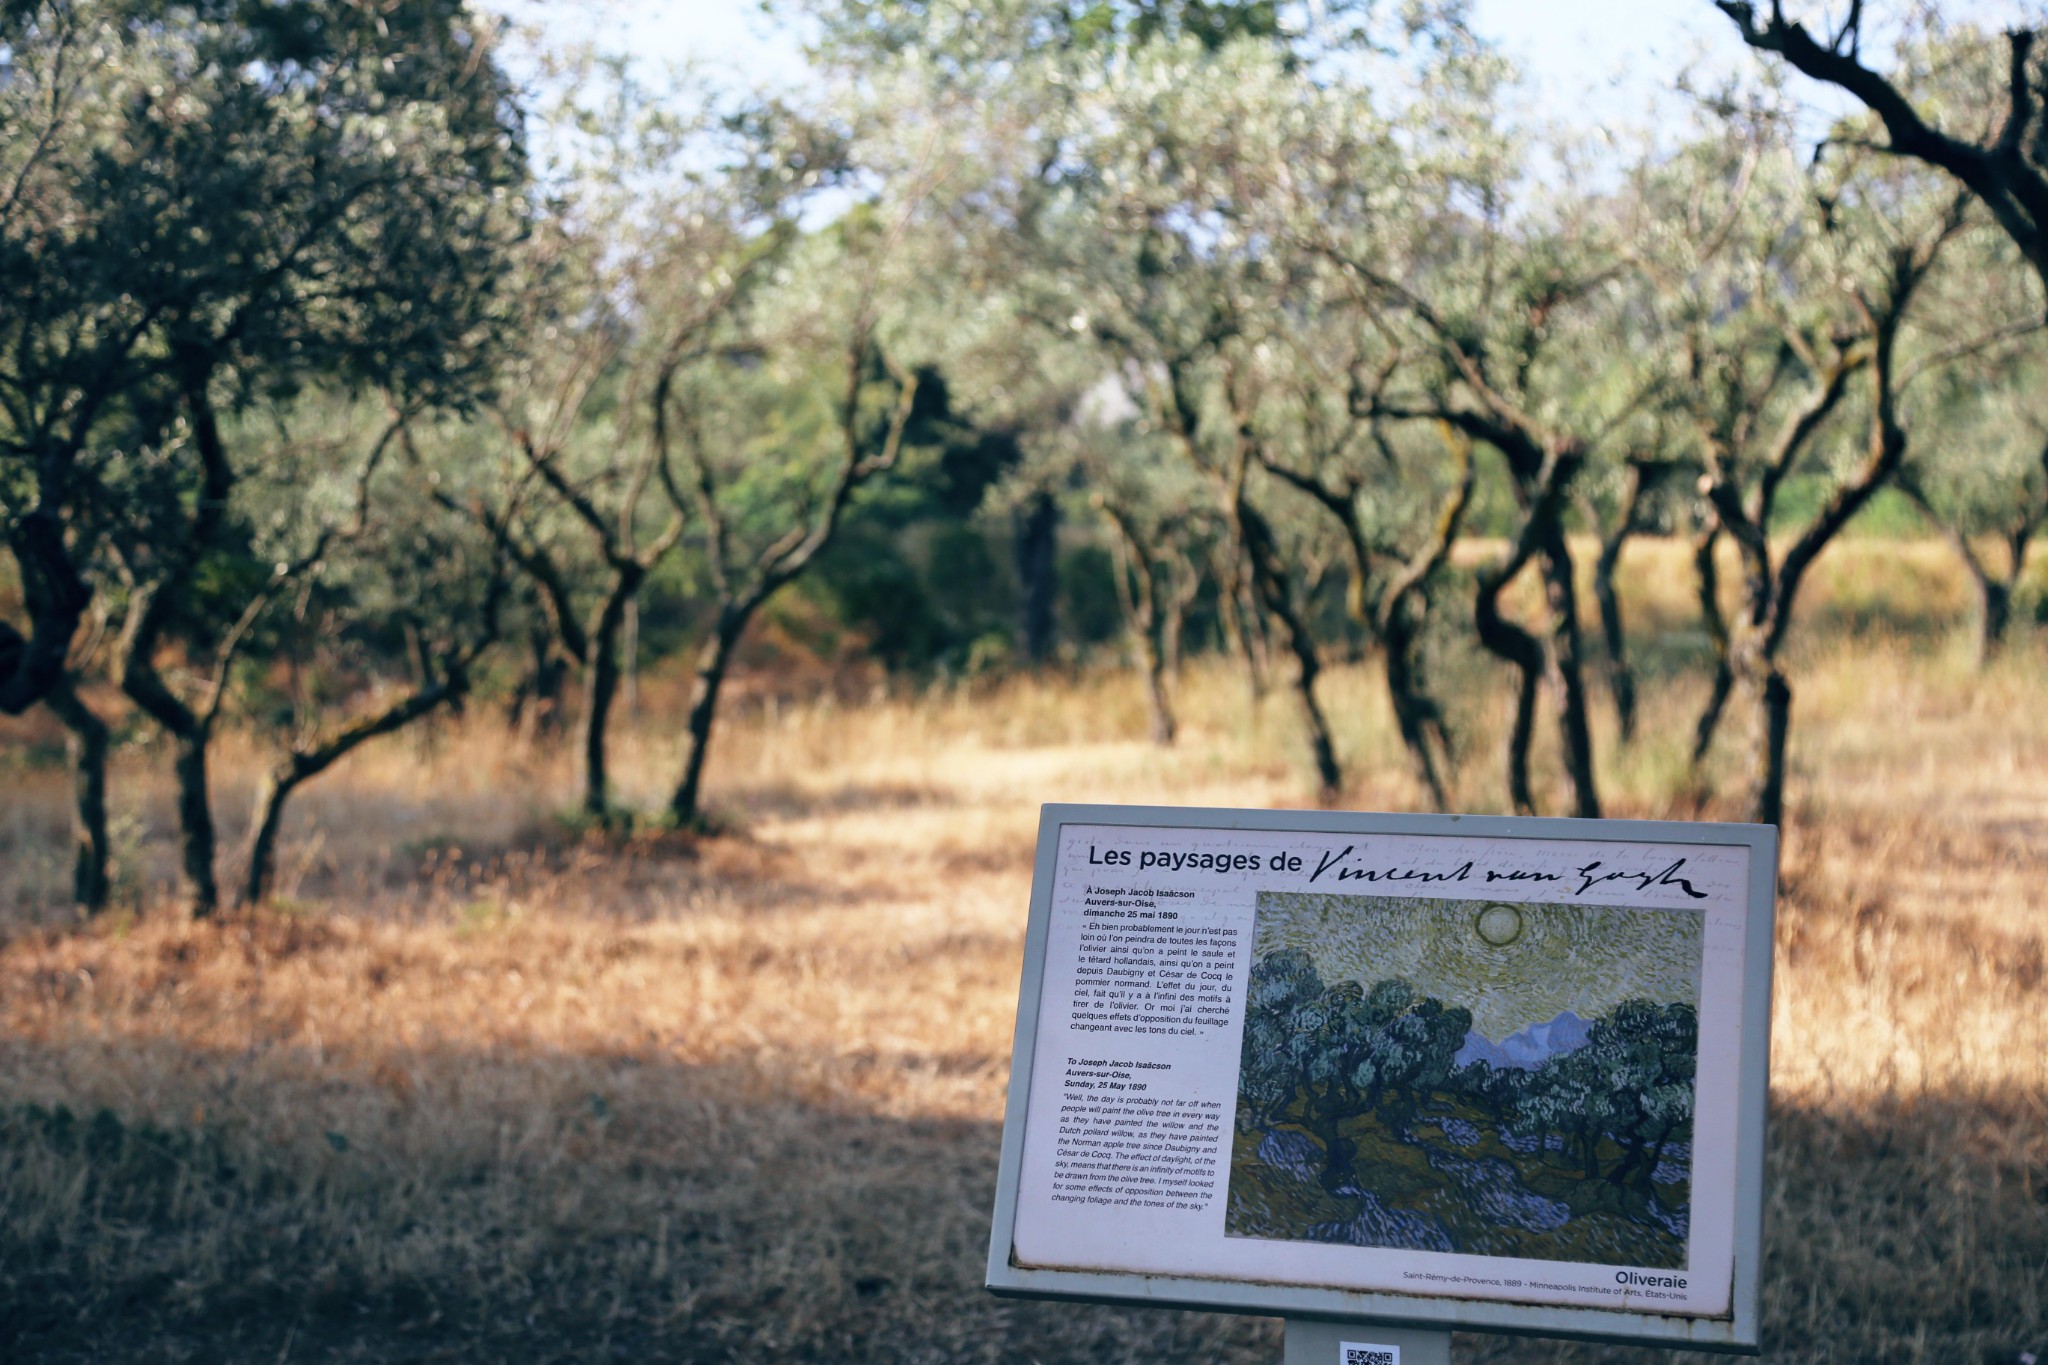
{"points": [[477, 1089]]}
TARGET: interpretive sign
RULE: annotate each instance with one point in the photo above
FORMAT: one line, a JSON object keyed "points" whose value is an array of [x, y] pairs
{"points": [[1485, 1073]]}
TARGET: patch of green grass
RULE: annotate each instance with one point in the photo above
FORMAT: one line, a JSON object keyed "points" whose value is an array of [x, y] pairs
{"points": [[481, 916]]}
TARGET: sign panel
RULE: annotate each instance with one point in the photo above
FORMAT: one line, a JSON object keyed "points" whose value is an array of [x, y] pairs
{"points": [[1460, 1071]]}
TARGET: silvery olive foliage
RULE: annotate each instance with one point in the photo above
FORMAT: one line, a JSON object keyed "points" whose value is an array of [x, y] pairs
{"points": [[324, 340], [208, 206]]}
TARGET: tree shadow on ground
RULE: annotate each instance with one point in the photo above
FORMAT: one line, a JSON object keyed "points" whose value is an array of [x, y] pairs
{"points": [[482, 1206], [533, 1209]]}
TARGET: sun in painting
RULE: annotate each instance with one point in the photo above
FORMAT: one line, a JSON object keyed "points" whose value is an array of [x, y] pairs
{"points": [[1498, 925]]}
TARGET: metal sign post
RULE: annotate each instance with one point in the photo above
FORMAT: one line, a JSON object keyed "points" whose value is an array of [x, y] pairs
{"points": [[1314, 1342], [1387, 1076]]}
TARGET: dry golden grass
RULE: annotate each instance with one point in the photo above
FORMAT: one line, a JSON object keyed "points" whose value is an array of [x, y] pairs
{"points": [[480, 1090]]}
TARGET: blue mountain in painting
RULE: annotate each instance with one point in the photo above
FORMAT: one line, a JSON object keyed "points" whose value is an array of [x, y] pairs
{"points": [[1530, 1047]]}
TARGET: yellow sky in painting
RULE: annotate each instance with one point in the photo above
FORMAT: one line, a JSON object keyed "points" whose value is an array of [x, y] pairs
{"points": [[1583, 958]]}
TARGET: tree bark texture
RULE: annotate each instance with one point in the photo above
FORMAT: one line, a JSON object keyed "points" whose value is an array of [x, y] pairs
{"points": [[1037, 551], [1269, 580], [1772, 697], [1416, 714], [1138, 594], [1575, 728], [1621, 679], [1707, 574], [713, 659], [1508, 642], [191, 734], [87, 739], [601, 679], [195, 819]]}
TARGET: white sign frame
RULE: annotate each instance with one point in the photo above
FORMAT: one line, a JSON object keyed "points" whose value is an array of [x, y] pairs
{"points": [[1739, 1037]]}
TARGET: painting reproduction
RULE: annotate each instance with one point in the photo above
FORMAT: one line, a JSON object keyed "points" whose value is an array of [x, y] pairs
{"points": [[1469, 1076]]}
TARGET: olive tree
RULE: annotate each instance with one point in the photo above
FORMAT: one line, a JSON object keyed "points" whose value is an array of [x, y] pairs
{"points": [[1984, 475], [1398, 502], [1950, 102], [1158, 262], [1108, 152], [1154, 511], [1326, 1054], [208, 205], [802, 399], [1498, 299], [382, 613], [1993, 485], [659, 222], [1817, 322]]}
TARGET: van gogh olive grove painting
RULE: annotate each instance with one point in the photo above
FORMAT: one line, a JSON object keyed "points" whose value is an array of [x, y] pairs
{"points": [[1469, 1076]]}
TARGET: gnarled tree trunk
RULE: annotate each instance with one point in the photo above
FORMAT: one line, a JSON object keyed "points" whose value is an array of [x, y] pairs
{"points": [[1244, 634], [1404, 606], [1707, 574], [1269, 580], [1768, 694], [1621, 678], [191, 732], [190, 727], [601, 678], [87, 740], [1037, 550], [1508, 642], [196, 845], [713, 659], [1774, 722], [1564, 664], [1416, 714], [1137, 591], [303, 765]]}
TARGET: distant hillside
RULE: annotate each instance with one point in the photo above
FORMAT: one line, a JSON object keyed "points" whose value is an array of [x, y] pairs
{"points": [[1530, 1047]]}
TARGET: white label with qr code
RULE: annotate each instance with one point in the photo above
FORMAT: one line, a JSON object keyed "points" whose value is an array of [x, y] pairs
{"points": [[1361, 1353]]}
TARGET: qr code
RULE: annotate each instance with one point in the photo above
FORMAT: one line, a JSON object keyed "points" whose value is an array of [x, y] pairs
{"points": [[1370, 1355]]}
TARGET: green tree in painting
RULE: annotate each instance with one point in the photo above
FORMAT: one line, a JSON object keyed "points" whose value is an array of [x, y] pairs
{"points": [[1497, 1089], [1266, 1078], [1343, 1052], [1630, 1087]]}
